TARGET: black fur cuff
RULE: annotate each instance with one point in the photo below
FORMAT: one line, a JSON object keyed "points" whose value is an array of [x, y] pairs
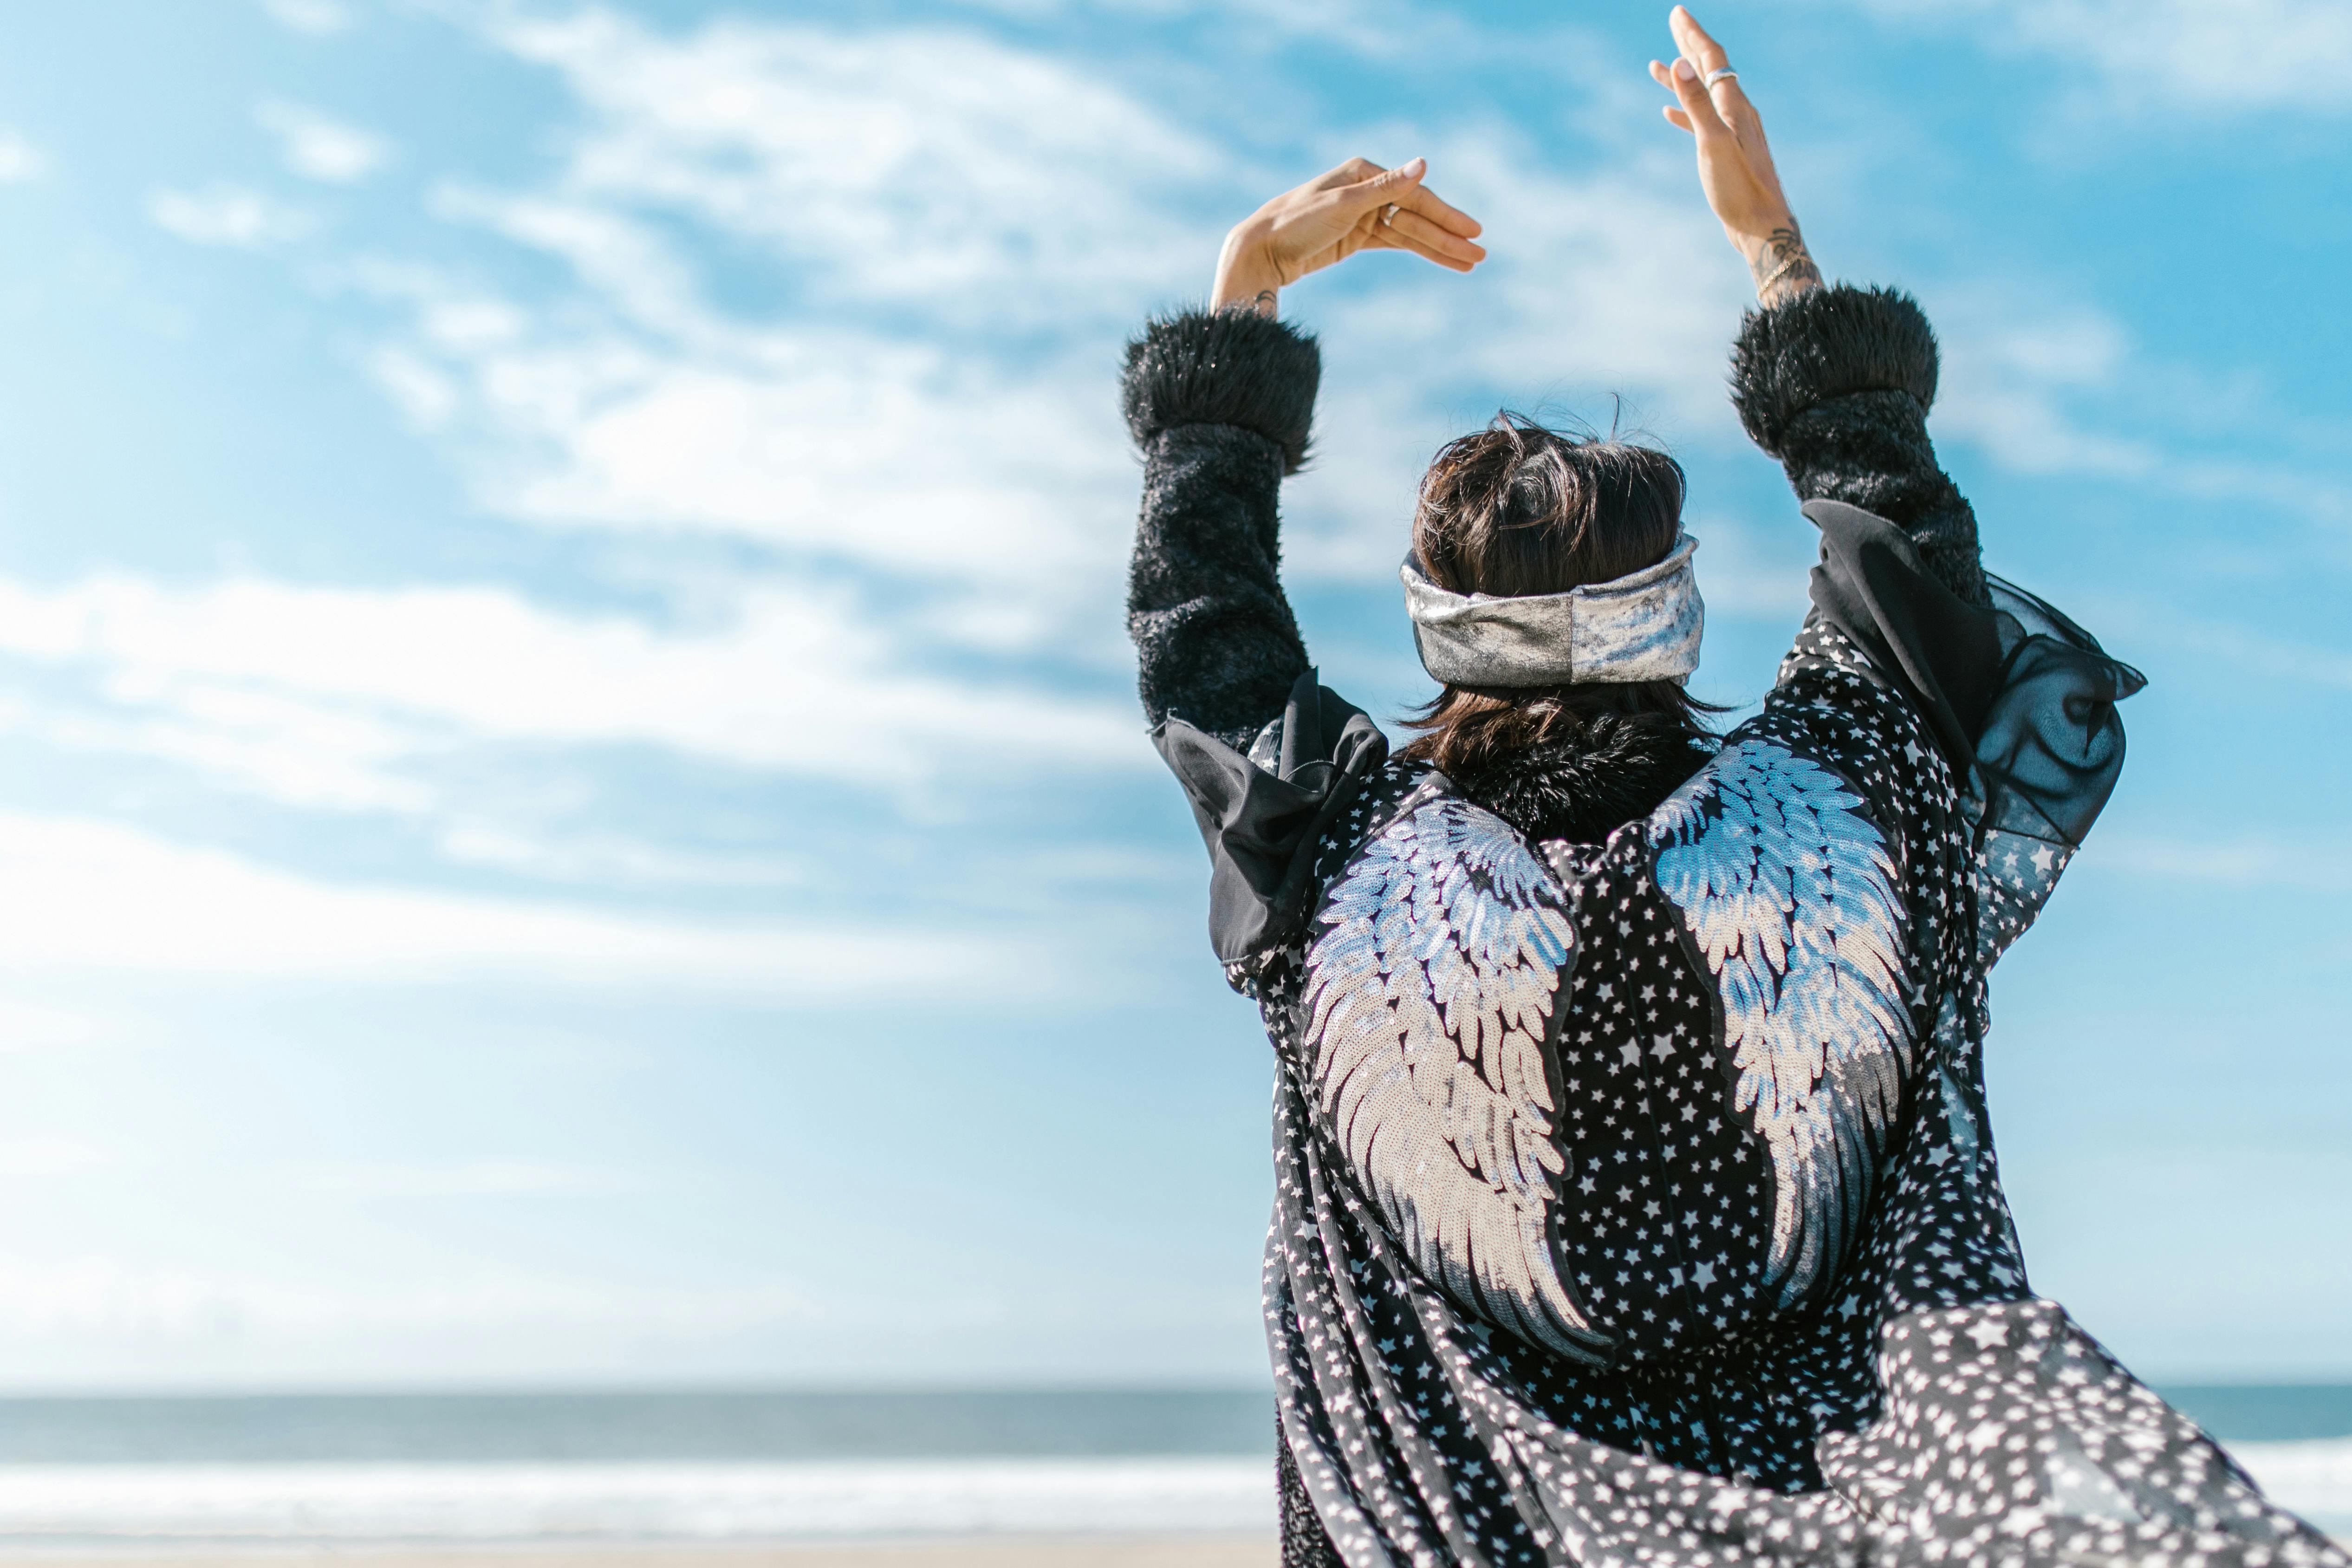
{"points": [[1828, 342], [1234, 367]]}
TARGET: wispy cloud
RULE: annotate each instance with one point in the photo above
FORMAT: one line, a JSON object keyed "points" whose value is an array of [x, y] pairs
{"points": [[227, 216], [500, 1178], [20, 161], [2216, 55], [48, 1158], [607, 861], [2231, 861], [319, 696], [935, 410], [634, 408], [909, 164], [319, 17], [2264, 653], [42, 1296], [2045, 387], [32, 1026], [319, 148], [2012, 373], [205, 912]]}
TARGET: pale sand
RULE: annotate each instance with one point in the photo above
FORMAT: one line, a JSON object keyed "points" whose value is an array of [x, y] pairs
{"points": [[1167, 1551]]}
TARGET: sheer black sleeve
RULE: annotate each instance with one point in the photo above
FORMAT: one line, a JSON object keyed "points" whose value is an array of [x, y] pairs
{"points": [[1220, 405], [1911, 647], [1836, 384]]}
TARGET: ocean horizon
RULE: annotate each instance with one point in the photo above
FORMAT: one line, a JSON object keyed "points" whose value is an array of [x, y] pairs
{"points": [[712, 1466]]}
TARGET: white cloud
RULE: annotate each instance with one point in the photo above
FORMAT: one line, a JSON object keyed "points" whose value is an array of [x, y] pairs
{"points": [[2233, 861], [294, 750], [2010, 373], [605, 860], [904, 168], [98, 898], [47, 1159], [975, 479], [40, 1298], [428, 396], [318, 696], [31, 1026], [509, 1178], [2227, 54], [972, 445], [2043, 388], [20, 161], [225, 214], [319, 17], [909, 164], [659, 417], [319, 148], [2261, 652]]}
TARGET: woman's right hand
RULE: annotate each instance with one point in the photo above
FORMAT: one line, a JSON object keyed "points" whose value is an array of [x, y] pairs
{"points": [[1735, 165], [1357, 207]]}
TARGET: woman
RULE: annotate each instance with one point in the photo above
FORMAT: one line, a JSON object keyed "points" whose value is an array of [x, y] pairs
{"points": [[1635, 1201]]}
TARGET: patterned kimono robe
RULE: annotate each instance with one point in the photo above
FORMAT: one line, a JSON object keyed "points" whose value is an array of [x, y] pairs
{"points": [[1635, 1201]]}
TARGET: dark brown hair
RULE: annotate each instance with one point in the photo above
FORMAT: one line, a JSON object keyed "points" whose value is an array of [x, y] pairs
{"points": [[1517, 509]]}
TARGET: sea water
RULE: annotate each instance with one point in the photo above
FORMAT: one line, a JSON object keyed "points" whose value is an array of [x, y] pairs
{"points": [[679, 1465], [772, 1467]]}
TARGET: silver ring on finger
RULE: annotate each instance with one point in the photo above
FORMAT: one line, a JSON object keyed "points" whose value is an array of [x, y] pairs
{"points": [[1720, 73], [1388, 216]]}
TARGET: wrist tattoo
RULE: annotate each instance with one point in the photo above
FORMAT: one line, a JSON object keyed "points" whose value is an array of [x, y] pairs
{"points": [[1782, 266], [1266, 303]]}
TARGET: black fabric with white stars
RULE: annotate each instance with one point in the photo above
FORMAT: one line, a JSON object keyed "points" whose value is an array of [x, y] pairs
{"points": [[1843, 1429]]}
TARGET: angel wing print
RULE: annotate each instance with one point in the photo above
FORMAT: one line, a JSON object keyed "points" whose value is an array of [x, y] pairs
{"points": [[1429, 1003], [1790, 896]]}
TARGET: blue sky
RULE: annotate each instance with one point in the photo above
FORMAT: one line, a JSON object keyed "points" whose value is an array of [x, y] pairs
{"points": [[570, 791]]}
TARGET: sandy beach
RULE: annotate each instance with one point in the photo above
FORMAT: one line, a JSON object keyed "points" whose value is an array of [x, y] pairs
{"points": [[1101, 1552]]}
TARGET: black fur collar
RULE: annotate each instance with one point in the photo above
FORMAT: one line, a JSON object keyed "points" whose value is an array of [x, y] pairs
{"points": [[1590, 779]]}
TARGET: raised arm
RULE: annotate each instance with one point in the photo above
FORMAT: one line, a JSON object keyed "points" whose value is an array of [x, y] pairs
{"points": [[1219, 402], [1834, 381]]}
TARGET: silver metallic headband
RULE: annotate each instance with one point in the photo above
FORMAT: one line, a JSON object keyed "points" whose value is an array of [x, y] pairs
{"points": [[1642, 626]]}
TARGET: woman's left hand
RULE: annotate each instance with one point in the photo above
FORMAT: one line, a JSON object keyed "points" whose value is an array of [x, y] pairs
{"points": [[1735, 163], [1357, 207]]}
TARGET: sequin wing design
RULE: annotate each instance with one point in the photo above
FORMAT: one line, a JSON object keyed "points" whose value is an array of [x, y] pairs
{"points": [[1430, 999], [1791, 897]]}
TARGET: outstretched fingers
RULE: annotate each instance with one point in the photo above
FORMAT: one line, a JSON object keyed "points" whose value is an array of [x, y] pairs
{"points": [[1407, 215], [1379, 187], [1406, 229], [1675, 115], [1697, 46], [1440, 213], [1707, 58], [1697, 113], [1401, 188]]}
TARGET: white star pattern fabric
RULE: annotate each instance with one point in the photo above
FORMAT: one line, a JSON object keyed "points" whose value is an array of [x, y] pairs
{"points": [[1901, 1397]]}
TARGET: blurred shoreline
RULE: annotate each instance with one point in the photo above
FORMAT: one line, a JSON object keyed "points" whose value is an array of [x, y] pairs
{"points": [[1102, 1479], [1250, 1551]]}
